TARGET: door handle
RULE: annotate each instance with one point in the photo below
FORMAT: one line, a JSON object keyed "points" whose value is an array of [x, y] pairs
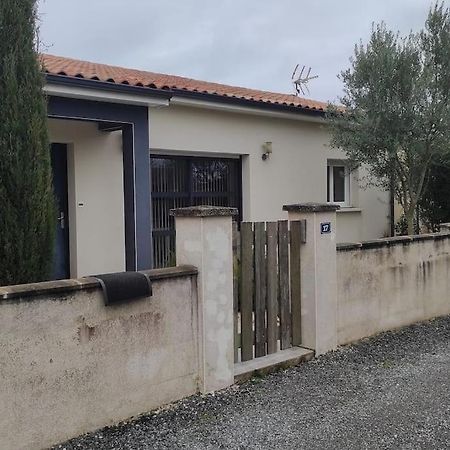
{"points": [[61, 220]]}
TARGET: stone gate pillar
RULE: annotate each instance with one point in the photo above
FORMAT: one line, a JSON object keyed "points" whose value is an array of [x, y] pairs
{"points": [[204, 240], [318, 275]]}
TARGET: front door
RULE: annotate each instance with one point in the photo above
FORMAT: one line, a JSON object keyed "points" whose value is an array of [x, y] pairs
{"points": [[61, 264]]}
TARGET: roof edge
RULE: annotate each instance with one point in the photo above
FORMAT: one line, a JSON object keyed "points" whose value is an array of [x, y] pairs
{"points": [[248, 103], [167, 94], [66, 80]]}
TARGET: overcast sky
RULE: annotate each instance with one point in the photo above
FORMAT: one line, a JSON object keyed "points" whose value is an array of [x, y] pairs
{"points": [[251, 43]]}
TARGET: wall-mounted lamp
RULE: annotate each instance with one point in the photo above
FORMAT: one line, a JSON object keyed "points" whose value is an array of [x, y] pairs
{"points": [[267, 150]]}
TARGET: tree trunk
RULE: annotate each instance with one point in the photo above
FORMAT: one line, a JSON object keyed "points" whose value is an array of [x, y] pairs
{"points": [[409, 214]]}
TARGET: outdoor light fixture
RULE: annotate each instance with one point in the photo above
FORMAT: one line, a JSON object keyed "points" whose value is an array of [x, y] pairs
{"points": [[267, 150]]}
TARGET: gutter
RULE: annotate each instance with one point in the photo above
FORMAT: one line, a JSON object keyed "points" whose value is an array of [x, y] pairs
{"points": [[240, 105], [65, 86], [88, 89]]}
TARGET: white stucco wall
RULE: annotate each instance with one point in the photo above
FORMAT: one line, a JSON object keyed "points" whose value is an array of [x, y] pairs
{"points": [[70, 365], [391, 285], [96, 205], [294, 173]]}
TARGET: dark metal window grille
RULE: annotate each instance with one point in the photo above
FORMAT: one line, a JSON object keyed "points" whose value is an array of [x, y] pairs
{"points": [[188, 181]]}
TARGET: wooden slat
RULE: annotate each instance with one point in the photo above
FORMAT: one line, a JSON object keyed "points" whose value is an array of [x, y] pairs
{"points": [[260, 289], [236, 269], [246, 291], [283, 262], [296, 238], [278, 331], [272, 287]]}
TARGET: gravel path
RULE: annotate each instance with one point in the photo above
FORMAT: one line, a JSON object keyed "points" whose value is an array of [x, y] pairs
{"points": [[391, 391]]}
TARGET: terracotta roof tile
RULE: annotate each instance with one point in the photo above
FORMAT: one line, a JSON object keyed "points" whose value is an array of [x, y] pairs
{"points": [[57, 65]]}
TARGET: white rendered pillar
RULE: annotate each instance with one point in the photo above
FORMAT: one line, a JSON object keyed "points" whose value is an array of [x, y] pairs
{"points": [[204, 240], [318, 275]]}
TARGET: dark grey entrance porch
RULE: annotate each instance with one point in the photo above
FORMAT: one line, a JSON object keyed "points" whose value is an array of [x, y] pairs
{"points": [[133, 121]]}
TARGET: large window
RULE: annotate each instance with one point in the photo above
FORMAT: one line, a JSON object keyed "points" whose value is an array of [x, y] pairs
{"points": [[338, 183], [188, 181]]}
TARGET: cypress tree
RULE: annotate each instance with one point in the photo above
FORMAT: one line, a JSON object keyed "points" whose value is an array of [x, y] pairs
{"points": [[27, 202]]}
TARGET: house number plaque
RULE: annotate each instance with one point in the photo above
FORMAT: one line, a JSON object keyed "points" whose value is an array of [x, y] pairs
{"points": [[325, 227]]}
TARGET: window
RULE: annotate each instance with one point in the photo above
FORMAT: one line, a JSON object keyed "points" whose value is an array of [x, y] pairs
{"points": [[338, 183], [179, 181]]}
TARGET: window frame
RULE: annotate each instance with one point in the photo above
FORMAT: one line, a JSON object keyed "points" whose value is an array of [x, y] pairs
{"points": [[186, 194], [330, 183]]}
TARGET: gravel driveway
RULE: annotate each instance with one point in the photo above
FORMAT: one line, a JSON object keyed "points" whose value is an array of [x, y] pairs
{"points": [[391, 391]]}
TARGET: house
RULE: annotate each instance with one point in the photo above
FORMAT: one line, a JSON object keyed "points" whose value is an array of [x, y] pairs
{"points": [[130, 145]]}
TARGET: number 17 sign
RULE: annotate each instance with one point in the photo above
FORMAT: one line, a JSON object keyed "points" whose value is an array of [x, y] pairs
{"points": [[325, 227]]}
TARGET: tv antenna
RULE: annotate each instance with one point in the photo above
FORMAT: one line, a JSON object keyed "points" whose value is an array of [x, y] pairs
{"points": [[301, 81]]}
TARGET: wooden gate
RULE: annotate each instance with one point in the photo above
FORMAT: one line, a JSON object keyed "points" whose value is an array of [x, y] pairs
{"points": [[267, 287]]}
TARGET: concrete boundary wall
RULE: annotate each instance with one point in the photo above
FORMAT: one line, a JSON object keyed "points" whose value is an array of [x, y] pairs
{"points": [[389, 283], [69, 365]]}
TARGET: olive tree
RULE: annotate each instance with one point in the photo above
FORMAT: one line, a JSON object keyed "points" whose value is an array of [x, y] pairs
{"points": [[395, 114]]}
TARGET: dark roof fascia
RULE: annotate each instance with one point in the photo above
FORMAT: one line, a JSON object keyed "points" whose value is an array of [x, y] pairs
{"points": [[254, 104], [169, 93], [107, 86]]}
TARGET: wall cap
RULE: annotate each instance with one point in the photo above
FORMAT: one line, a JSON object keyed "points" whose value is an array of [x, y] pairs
{"points": [[343, 246], [311, 207], [397, 240], [375, 243], [426, 236], [53, 288], [204, 211], [349, 209]]}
